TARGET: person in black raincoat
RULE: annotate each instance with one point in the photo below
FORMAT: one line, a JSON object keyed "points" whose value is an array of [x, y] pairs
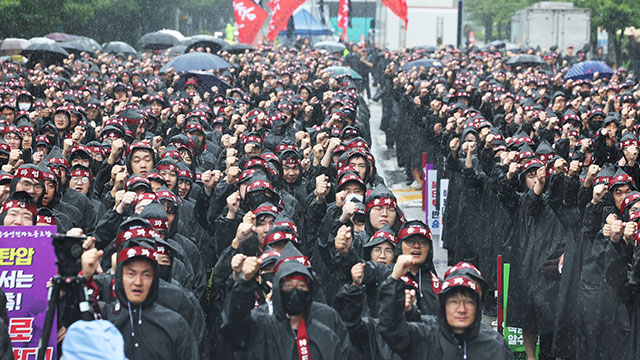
{"points": [[540, 243], [150, 331], [295, 329], [607, 206], [455, 333]]}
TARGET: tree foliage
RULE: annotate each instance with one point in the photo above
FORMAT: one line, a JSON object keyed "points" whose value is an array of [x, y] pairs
{"points": [[614, 16], [106, 20]]}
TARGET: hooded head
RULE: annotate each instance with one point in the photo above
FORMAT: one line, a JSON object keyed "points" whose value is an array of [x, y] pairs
{"points": [[137, 277], [382, 209], [414, 238], [381, 246], [19, 210], [140, 159], [29, 178], [292, 284], [98, 340], [619, 186], [460, 303]]}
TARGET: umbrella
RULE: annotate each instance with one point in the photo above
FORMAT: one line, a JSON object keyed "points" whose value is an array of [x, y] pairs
{"points": [[41, 40], [116, 47], [237, 48], [204, 41], [428, 48], [175, 50], [498, 44], [51, 52], [60, 37], [157, 40], [12, 46], [175, 33], [330, 46], [586, 69], [334, 71], [424, 62], [195, 61], [50, 48], [525, 59], [206, 81], [80, 45]]}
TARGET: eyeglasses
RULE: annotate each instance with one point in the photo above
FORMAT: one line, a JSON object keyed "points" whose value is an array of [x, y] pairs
{"points": [[28, 185], [412, 241], [82, 179], [378, 250], [454, 302]]}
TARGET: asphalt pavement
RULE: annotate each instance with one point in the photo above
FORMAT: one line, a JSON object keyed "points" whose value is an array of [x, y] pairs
{"points": [[410, 200]]}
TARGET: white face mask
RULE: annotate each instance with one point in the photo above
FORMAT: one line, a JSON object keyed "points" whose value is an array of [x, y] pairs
{"points": [[24, 106]]}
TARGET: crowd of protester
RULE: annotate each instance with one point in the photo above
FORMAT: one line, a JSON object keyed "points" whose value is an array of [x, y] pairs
{"points": [[249, 220]]}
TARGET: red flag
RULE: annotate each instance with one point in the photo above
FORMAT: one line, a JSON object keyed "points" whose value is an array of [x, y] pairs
{"points": [[343, 17], [249, 17], [398, 7], [281, 11]]}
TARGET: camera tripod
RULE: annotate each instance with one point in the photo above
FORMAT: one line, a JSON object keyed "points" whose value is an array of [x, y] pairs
{"points": [[64, 291]]}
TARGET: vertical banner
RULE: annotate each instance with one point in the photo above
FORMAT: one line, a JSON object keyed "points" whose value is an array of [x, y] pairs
{"points": [[281, 11], [444, 192], [343, 17], [249, 18], [433, 212], [398, 7], [27, 262]]}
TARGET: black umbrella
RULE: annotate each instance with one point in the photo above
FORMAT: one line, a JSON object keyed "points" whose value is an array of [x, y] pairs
{"points": [[157, 40], [175, 50], [195, 61], [237, 48], [424, 62], [117, 47], [204, 41], [498, 44], [206, 81], [524, 60], [428, 48], [50, 52], [330, 46], [81, 45]]}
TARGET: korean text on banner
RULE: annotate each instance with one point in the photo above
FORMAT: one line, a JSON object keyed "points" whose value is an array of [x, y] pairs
{"points": [[249, 18], [27, 262], [433, 212]]}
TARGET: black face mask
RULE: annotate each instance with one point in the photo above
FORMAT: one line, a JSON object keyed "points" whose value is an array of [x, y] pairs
{"points": [[266, 288], [52, 139], [259, 197], [295, 301], [164, 272], [595, 125], [196, 141]]}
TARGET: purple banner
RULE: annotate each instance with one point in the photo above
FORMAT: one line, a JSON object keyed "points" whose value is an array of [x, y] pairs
{"points": [[27, 262]]}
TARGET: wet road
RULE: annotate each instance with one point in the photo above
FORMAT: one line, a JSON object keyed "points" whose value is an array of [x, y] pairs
{"points": [[410, 200]]}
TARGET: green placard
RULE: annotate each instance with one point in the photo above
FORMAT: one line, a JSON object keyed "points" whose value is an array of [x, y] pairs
{"points": [[512, 335]]}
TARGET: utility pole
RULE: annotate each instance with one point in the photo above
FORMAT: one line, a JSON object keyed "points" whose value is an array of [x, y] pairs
{"points": [[459, 38]]}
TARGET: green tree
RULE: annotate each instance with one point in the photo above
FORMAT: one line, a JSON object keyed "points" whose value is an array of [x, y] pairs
{"points": [[104, 20], [614, 16], [494, 15]]}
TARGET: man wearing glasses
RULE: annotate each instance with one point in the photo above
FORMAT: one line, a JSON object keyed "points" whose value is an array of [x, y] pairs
{"points": [[30, 179], [455, 333]]}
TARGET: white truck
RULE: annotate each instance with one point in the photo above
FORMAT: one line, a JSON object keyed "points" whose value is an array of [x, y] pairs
{"points": [[548, 23], [431, 22]]}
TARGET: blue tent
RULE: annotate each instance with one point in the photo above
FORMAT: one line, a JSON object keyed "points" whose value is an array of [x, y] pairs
{"points": [[307, 25]]}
